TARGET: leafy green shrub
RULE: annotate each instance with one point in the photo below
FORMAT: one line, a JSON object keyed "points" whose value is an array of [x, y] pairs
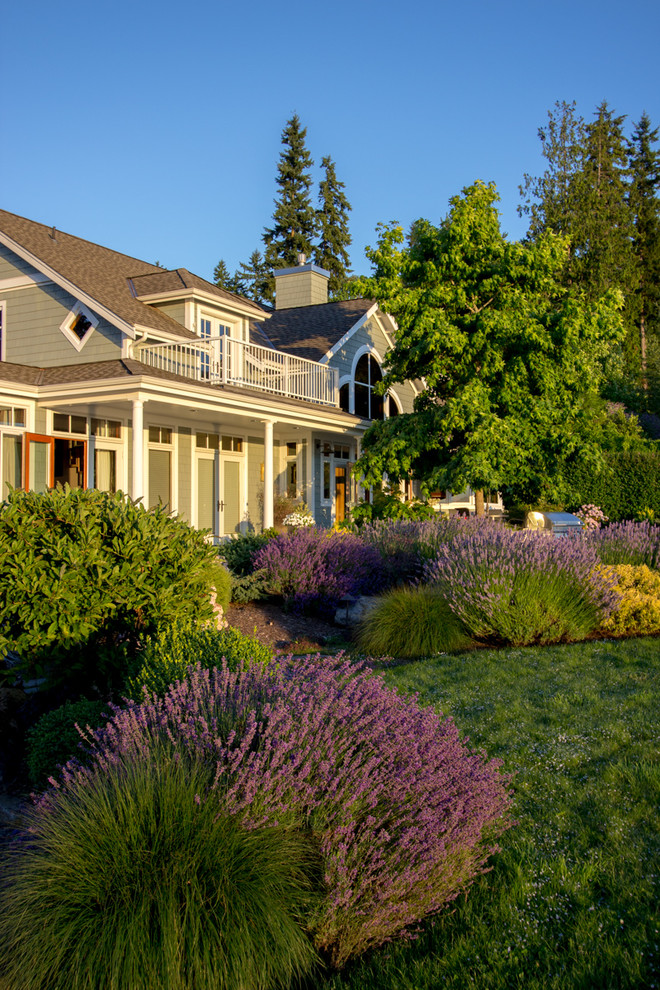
{"points": [[411, 622], [385, 505], [168, 655], [131, 878], [91, 573], [239, 551], [53, 740], [250, 588], [638, 607]]}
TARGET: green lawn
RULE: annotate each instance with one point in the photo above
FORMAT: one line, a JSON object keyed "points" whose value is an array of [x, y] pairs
{"points": [[572, 900]]}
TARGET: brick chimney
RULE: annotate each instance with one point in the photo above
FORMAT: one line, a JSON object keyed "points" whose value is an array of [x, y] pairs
{"points": [[306, 285]]}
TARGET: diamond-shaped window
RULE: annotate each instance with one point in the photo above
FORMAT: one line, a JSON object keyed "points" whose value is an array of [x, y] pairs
{"points": [[79, 325]]}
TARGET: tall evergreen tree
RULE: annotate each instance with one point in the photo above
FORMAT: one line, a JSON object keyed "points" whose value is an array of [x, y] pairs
{"points": [[583, 195], [221, 276], [294, 218], [605, 234], [552, 200], [254, 278], [331, 252], [644, 303]]}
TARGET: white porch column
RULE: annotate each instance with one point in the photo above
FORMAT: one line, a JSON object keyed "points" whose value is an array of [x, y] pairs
{"points": [[137, 488], [268, 473]]}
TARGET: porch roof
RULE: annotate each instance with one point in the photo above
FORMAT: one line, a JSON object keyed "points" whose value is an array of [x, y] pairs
{"points": [[131, 370]]}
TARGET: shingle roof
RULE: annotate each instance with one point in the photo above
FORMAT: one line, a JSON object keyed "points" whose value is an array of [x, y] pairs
{"points": [[108, 276], [311, 331], [181, 278]]}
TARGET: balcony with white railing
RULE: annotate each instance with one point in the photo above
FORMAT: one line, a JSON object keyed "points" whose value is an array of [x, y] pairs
{"points": [[227, 361]]}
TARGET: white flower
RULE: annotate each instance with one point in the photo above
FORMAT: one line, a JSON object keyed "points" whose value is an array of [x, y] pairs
{"points": [[301, 517]]}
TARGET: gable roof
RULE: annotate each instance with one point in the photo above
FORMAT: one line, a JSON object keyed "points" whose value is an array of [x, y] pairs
{"points": [[105, 276], [178, 279], [312, 331]]}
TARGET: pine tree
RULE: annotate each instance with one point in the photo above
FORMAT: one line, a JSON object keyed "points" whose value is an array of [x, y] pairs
{"points": [[254, 278], [294, 219], [644, 303], [552, 200], [606, 229], [221, 276], [331, 252], [583, 195]]}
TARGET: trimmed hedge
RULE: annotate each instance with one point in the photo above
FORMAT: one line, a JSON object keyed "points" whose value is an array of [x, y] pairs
{"points": [[629, 485]]}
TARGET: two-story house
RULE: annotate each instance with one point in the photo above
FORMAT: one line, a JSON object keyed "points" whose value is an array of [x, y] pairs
{"points": [[118, 374]]}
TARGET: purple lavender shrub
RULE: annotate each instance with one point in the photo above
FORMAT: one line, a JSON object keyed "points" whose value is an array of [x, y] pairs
{"points": [[407, 544], [313, 569], [634, 543], [522, 587], [404, 813]]}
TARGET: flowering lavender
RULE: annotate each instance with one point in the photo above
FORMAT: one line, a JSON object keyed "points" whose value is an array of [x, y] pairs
{"points": [[312, 568], [406, 544], [404, 813], [628, 543], [523, 586], [591, 516]]}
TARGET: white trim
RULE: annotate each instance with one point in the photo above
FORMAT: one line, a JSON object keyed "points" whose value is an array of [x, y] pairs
{"points": [[78, 310], [64, 283], [23, 282], [3, 330], [120, 389], [349, 333], [190, 295]]}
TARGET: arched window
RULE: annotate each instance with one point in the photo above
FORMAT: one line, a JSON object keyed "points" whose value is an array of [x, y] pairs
{"points": [[368, 374], [392, 406], [344, 397]]}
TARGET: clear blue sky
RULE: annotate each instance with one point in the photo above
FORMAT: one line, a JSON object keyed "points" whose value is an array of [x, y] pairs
{"points": [[154, 128]]}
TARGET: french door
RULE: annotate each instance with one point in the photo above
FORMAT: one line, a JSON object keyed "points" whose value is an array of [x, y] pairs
{"points": [[219, 493]]}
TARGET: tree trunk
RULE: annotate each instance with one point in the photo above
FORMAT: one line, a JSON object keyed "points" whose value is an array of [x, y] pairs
{"points": [[479, 503]]}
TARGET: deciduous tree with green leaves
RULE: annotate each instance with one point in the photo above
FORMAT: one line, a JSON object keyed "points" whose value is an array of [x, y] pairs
{"points": [[331, 252], [511, 360]]}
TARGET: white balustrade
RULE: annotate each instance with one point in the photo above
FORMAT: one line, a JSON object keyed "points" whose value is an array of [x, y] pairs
{"points": [[226, 361]]}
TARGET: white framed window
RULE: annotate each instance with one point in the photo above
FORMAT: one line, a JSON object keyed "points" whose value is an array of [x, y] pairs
{"points": [[207, 441], [160, 459], [79, 325], [13, 416], [368, 405], [108, 429], [68, 423], [12, 419], [3, 330], [234, 444]]}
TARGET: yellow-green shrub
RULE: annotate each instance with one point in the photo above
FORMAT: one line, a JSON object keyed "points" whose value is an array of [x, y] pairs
{"points": [[638, 610]]}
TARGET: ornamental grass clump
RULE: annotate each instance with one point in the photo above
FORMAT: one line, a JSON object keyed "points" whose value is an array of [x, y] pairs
{"points": [[412, 622], [133, 878], [523, 587], [313, 569], [403, 813], [630, 542]]}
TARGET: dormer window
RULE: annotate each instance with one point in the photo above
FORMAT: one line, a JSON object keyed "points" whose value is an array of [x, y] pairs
{"points": [[79, 325]]}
